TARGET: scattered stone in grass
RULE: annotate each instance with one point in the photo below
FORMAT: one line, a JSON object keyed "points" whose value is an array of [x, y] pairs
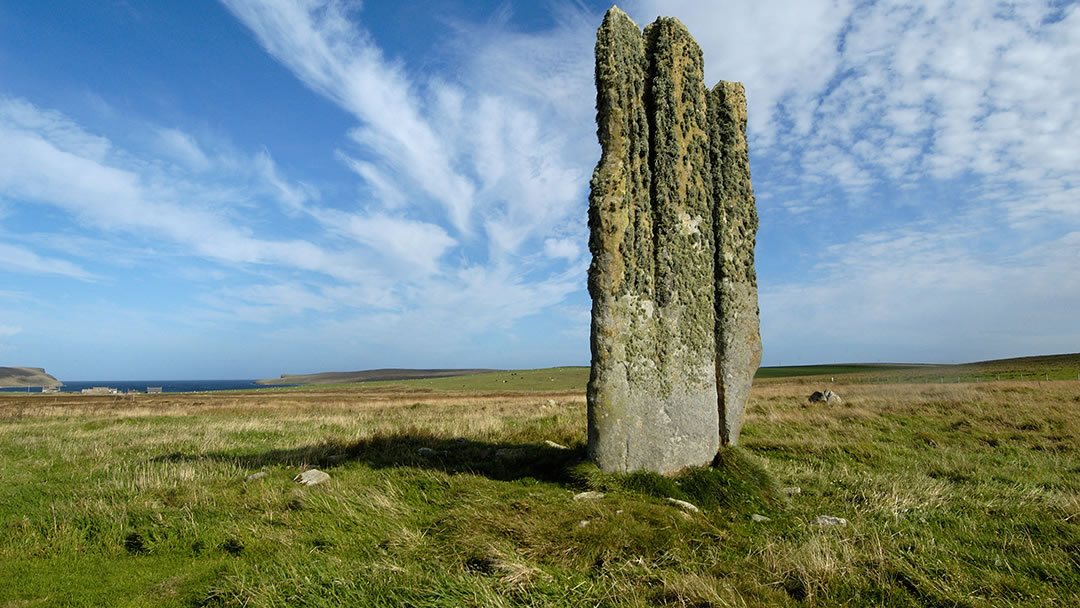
{"points": [[829, 520], [590, 495], [425, 452], [759, 518], [311, 477], [791, 490], [551, 402], [557, 446], [682, 504], [826, 397], [583, 523], [255, 476]]}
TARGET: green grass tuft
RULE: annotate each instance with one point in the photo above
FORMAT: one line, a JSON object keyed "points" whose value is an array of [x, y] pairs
{"points": [[736, 483]]}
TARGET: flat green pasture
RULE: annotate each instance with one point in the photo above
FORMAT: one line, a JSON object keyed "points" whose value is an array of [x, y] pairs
{"points": [[1027, 369], [547, 379], [790, 371]]}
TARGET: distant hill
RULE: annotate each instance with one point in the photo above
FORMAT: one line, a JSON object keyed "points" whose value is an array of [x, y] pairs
{"points": [[12, 377], [1049, 367], [1046, 367], [370, 375]]}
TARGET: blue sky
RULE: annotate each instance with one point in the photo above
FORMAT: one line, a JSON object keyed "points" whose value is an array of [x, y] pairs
{"points": [[245, 188]]}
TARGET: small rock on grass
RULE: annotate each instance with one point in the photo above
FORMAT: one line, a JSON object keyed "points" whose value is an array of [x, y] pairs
{"points": [[791, 490], [759, 518], [255, 476], [425, 452], [682, 504], [590, 495], [583, 523], [311, 477], [829, 520], [558, 446]]}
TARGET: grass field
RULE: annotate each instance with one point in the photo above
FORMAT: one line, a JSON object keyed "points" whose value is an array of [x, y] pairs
{"points": [[1046, 368], [444, 494]]}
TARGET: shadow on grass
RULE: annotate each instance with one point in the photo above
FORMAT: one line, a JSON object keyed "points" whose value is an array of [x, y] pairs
{"points": [[498, 461], [735, 480]]}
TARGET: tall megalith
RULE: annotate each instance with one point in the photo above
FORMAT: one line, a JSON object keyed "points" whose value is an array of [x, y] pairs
{"points": [[652, 390], [659, 270]]}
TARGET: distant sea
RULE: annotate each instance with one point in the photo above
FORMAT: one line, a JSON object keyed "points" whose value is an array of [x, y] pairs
{"points": [[167, 386]]}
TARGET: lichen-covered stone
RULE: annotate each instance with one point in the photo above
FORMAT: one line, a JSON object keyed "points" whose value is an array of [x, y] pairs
{"points": [[738, 339], [652, 393]]}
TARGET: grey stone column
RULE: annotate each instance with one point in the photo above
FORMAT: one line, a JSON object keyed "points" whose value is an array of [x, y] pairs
{"points": [[738, 340], [652, 390]]}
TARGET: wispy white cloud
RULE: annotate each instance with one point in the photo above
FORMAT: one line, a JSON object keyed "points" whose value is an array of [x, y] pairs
{"points": [[468, 176], [47, 159], [319, 43], [929, 145], [889, 93], [414, 244], [19, 259], [483, 153], [562, 248], [923, 292], [182, 147]]}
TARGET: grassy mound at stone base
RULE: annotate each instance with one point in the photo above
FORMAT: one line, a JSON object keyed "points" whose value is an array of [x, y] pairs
{"points": [[736, 482]]}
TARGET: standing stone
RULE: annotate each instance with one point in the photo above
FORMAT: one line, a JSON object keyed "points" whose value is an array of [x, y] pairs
{"points": [[738, 340], [652, 389], [675, 339]]}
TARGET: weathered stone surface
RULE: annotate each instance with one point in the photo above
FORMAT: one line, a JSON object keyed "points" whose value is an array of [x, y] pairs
{"points": [[672, 218], [827, 397], [829, 520], [311, 477], [735, 222], [652, 389], [682, 504]]}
